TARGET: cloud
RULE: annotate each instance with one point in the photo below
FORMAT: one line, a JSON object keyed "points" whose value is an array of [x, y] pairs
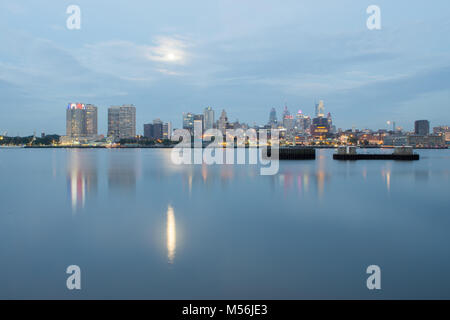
{"points": [[136, 62], [168, 50], [244, 57]]}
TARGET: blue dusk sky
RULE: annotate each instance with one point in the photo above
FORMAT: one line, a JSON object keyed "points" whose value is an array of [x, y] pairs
{"points": [[245, 56]]}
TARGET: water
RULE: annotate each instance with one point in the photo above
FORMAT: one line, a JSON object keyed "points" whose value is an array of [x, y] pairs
{"points": [[140, 227]]}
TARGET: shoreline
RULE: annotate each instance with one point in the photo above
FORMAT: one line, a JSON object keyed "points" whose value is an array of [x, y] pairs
{"points": [[172, 146]]}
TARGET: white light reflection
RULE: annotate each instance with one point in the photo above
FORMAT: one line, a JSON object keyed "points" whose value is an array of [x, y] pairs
{"points": [[171, 235]]}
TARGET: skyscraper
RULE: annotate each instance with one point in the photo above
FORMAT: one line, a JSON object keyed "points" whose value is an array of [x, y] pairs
{"points": [[76, 120], [273, 122], [208, 118], [320, 109], [422, 127], [199, 122], [122, 122], [91, 120], [167, 130], [300, 122], [157, 129], [330, 123], [288, 119], [188, 121], [223, 122], [320, 126], [148, 130]]}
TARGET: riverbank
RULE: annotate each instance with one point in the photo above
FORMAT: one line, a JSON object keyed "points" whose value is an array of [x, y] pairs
{"points": [[171, 146]]}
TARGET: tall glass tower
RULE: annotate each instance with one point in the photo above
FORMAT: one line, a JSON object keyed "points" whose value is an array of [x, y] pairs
{"points": [[122, 121], [208, 117]]}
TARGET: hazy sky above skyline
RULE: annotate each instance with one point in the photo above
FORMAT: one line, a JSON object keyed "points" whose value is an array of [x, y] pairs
{"points": [[169, 57]]}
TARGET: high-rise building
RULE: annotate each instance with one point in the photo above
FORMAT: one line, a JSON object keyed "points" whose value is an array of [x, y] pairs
{"points": [[223, 122], [273, 122], [300, 125], [188, 121], [148, 130], [91, 120], [288, 120], [307, 124], [320, 109], [113, 121], [331, 127], [157, 129], [76, 120], [329, 119], [122, 122], [199, 123], [422, 127], [208, 118], [167, 130], [320, 127]]}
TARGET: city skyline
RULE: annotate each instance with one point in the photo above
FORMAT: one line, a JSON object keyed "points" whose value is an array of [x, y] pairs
{"points": [[294, 129], [82, 122], [207, 113], [241, 60]]}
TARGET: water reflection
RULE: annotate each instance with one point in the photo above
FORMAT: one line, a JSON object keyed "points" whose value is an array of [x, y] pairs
{"points": [[388, 181], [386, 174], [81, 177], [422, 175], [250, 224], [171, 235], [123, 170]]}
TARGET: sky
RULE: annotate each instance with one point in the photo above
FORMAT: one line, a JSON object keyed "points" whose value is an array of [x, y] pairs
{"points": [[245, 56]]}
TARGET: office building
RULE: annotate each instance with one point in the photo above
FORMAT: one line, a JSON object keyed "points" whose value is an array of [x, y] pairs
{"points": [[302, 122], [122, 122], [148, 130], [273, 121], [223, 122], [320, 109], [422, 127], [91, 120], [288, 120], [158, 130], [199, 122], [76, 120], [188, 121], [208, 118], [426, 141], [320, 127], [167, 130]]}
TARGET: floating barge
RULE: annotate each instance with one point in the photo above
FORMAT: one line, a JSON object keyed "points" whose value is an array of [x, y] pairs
{"points": [[400, 153], [293, 153]]}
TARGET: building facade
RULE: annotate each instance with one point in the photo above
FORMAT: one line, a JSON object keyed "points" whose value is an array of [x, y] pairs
{"points": [[320, 109], [91, 120], [208, 118], [223, 122], [188, 121], [422, 127], [76, 120], [122, 122], [158, 130], [273, 121]]}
